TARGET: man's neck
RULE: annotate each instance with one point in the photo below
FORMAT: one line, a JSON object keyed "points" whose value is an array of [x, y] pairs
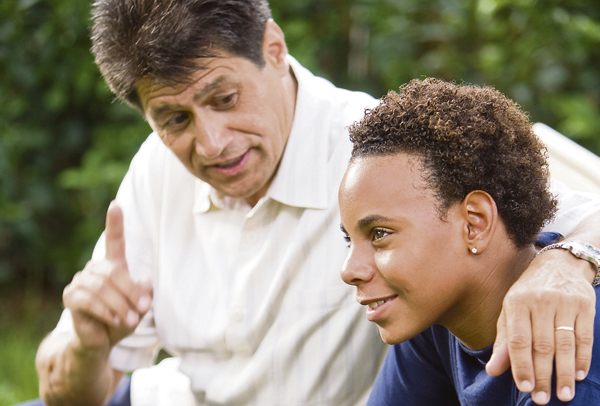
{"points": [[290, 84]]}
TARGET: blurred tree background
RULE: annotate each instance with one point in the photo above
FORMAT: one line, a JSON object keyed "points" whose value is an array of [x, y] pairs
{"points": [[65, 145]]}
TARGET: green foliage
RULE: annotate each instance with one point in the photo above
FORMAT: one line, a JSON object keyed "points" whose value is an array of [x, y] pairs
{"points": [[544, 54], [64, 144], [25, 318], [18, 379]]}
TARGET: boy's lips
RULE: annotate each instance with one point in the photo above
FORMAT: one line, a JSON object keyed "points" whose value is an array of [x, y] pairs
{"points": [[377, 307]]}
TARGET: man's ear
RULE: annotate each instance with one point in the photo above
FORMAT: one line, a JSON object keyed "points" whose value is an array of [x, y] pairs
{"points": [[480, 214], [274, 48]]}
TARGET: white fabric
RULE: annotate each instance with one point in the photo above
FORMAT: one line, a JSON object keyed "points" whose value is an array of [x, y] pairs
{"points": [[161, 385], [570, 162], [250, 299], [573, 207]]}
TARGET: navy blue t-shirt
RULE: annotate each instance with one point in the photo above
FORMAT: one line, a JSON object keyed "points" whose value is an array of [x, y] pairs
{"points": [[434, 369]]}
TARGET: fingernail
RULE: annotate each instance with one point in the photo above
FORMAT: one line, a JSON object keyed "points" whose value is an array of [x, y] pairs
{"points": [[540, 397], [580, 375], [144, 303], [526, 386], [132, 318], [116, 320], [565, 393]]}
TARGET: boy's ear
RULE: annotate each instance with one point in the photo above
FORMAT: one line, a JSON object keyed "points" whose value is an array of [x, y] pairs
{"points": [[274, 47], [480, 214]]}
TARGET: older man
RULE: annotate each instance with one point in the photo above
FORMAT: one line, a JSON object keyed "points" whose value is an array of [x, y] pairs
{"points": [[229, 211]]}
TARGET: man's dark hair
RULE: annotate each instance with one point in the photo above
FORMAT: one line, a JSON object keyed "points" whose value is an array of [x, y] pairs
{"points": [[466, 138], [164, 39]]}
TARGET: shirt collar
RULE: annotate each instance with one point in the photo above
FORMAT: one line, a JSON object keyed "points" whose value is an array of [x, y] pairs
{"points": [[306, 145]]}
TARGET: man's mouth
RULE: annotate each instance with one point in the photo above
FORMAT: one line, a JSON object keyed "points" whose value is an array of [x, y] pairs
{"points": [[233, 166], [229, 164]]}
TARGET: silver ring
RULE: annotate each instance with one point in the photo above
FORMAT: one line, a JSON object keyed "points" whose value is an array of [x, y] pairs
{"points": [[564, 328]]}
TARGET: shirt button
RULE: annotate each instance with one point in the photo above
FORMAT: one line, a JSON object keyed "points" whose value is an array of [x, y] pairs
{"points": [[251, 238], [244, 351], [237, 314]]}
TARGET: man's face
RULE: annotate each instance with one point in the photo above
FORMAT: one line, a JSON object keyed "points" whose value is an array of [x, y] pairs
{"points": [[403, 259], [229, 126]]}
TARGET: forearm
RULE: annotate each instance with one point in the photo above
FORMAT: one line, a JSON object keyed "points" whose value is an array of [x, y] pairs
{"points": [[70, 375], [589, 232]]}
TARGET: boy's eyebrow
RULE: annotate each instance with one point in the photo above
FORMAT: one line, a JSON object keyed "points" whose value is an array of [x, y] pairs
{"points": [[367, 221]]}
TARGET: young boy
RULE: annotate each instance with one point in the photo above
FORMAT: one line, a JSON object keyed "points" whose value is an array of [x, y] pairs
{"points": [[443, 200]]}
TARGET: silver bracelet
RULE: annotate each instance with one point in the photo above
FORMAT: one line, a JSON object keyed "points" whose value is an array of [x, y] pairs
{"points": [[581, 250]]}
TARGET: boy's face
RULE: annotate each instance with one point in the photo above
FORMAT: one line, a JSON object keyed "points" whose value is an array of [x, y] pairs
{"points": [[403, 259]]}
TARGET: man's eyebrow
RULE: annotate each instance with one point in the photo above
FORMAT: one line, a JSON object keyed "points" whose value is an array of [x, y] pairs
{"points": [[158, 110], [209, 87]]}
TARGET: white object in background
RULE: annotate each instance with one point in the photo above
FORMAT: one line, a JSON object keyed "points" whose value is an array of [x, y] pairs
{"points": [[161, 385], [569, 162]]}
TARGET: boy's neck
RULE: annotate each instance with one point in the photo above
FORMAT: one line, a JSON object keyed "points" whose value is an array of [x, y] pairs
{"points": [[476, 329]]}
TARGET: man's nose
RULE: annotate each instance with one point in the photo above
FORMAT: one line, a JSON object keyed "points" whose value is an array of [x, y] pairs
{"points": [[210, 137], [357, 268]]}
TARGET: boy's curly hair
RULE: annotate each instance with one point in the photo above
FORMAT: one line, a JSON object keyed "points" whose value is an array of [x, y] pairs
{"points": [[466, 138]]}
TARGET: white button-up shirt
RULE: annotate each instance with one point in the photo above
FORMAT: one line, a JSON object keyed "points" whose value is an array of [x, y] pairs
{"points": [[249, 298]]}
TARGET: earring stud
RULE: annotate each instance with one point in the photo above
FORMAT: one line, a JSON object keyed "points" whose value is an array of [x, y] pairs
{"points": [[474, 250]]}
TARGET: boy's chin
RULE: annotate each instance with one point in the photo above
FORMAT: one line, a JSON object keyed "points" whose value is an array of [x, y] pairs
{"points": [[398, 336], [390, 338]]}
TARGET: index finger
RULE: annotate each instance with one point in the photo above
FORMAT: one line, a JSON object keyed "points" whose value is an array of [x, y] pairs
{"points": [[114, 233], [499, 361]]}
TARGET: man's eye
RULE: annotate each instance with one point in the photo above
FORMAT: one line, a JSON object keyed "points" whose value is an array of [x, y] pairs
{"points": [[225, 101], [177, 120]]}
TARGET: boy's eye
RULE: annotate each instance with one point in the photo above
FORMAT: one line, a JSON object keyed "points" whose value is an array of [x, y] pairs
{"points": [[378, 234], [345, 233]]}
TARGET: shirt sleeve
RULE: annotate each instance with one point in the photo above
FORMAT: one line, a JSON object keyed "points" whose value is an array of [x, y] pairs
{"points": [[137, 197], [413, 375], [573, 208]]}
